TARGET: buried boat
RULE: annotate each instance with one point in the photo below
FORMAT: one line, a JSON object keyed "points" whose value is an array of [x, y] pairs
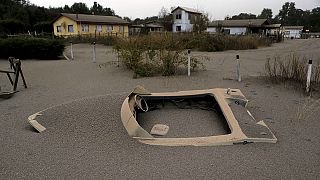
{"points": [[231, 103]]}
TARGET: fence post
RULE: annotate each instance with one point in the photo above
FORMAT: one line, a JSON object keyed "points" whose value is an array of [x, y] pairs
{"points": [[71, 50], [189, 62], [238, 69], [94, 52], [309, 76]]}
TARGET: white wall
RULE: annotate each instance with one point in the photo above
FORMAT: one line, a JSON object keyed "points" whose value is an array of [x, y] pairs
{"points": [[295, 33], [237, 30], [184, 22], [211, 29]]}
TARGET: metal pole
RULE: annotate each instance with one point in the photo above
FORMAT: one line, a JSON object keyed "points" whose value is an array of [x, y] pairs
{"points": [[71, 50], [238, 68], [309, 75], [189, 62], [94, 52]]}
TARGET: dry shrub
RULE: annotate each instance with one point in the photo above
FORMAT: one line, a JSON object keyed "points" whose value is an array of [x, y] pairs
{"points": [[293, 69], [220, 42], [155, 54]]}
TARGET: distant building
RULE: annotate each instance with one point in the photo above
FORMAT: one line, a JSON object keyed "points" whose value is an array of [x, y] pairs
{"points": [[184, 19], [82, 24], [292, 31], [147, 27], [240, 27]]}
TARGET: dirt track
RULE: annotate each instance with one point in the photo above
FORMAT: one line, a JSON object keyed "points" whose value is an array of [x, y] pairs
{"points": [[85, 138]]}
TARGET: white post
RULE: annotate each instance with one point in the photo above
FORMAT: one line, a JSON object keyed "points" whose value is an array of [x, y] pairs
{"points": [[94, 52], [238, 68], [309, 76], [71, 50], [189, 62]]}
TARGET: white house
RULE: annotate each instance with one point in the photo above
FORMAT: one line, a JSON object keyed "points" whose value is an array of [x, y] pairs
{"points": [[292, 31], [238, 27], [184, 19]]}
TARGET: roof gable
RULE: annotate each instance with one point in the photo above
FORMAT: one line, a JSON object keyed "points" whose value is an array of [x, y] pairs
{"points": [[190, 10]]}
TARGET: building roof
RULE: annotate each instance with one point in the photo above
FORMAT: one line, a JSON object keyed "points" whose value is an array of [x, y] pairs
{"points": [[148, 25], [190, 10], [240, 23], [85, 18], [273, 26], [154, 25], [293, 27]]}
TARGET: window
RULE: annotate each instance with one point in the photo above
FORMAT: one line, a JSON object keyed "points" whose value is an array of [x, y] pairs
{"points": [[99, 28], [226, 31], [70, 28], [85, 28], [178, 28], [109, 28], [58, 28], [121, 29], [178, 16], [189, 16]]}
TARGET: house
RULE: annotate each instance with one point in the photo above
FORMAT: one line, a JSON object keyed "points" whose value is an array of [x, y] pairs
{"points": [[239, 27], [145, 28], [292, 31], [82, 24], [154, 27], [184, 19]]}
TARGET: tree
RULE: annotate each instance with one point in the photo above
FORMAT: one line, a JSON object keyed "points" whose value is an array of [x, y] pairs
{"points": [[287, 13], [108, 12], [127, 19], [201, 23], [96, 9], [165, 18], [265, 14], [244, 16], [80, 8]]}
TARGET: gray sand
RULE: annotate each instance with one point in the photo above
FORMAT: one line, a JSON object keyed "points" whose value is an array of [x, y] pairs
{"points": [[85, 138], [185, 122]]}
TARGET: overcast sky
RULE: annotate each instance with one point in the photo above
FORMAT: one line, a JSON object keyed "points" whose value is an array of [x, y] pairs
{"points": [[217, 9]]}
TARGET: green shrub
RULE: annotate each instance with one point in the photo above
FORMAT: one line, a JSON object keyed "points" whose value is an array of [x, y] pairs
{"points": [[44, 26], [31, 48], [105, 40], [11, 26]]}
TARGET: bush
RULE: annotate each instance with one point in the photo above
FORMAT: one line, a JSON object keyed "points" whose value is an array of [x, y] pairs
{"points": [[44, 26], [11, 26], [153, 54], [31, 48], [293, 69], [220, 42], [105, 40]]}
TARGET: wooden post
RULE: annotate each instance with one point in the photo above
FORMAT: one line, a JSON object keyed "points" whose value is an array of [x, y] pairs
{"points": [[309, 75], [189, 62], [238, 68], [94, 52]]}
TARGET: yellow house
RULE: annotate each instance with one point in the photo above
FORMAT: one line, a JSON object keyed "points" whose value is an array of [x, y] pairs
{"points": [[89, 25]]}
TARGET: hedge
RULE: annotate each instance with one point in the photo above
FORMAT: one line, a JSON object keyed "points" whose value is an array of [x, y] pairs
{"points": [[31, 48]]}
